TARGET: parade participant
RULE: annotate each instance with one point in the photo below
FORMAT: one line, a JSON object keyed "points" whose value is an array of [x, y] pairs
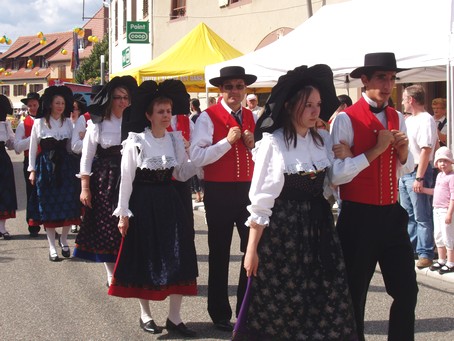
{"points": [[180, 122], [221, 144], [372, 226], [157, 258], [294, 257], [79, 107], [8, 200], [22, 143], [98, 239], [54, 200]]}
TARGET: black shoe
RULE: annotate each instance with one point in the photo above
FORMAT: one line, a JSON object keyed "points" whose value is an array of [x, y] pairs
{"points": [[223, 325], [180, 329], [54, 258], [34, 230], [65, 252], [6, 235], [150, 327]]}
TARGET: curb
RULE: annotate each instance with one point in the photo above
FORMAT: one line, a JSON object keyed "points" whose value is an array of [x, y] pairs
{"points": [[449, 278]]}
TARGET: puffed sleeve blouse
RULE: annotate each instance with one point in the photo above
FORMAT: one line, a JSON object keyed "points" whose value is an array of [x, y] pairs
{"points": [[273, 159], [107, 134], [143, 150], [56, 129]]}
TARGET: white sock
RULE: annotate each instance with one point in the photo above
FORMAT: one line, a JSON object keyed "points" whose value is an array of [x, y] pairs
{"points": [[441, 261], [2, 226], [109, 270], [50, 232], [174, 308], [450, 264], [145, 312], [64, 235]]}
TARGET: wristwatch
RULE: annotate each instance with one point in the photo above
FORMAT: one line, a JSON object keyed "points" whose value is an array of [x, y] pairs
{"points": [[419, 179]]}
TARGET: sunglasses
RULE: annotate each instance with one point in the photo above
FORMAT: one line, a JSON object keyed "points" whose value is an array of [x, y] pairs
{"points": [[229, 87]]}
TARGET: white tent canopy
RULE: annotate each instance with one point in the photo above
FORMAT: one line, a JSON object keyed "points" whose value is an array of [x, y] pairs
{"points": [[339, 35], [419, 32]]}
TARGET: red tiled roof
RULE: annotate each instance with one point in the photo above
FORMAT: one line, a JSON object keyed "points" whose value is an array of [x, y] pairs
{"points": [[23, 73]]}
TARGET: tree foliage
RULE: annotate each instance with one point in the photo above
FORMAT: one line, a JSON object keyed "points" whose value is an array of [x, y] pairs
{"points": [[89, 71]]}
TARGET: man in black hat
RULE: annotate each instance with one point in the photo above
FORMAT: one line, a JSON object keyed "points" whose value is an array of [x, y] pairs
{"points": [[372, 225], [22, 143], [221, 144]]}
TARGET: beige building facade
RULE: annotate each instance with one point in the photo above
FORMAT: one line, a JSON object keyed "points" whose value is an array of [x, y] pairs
{"points": [[244, 24]]}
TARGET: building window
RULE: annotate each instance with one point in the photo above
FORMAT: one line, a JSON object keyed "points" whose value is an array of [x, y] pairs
{"points": [[125, 9], [62, 71], [5, 90], [16, 64], [19, 90], [145, 9], [178, 9], [36, 87], [43, 64]]}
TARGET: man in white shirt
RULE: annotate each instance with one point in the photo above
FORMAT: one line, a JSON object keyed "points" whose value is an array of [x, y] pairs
{"points": [[252, 105], [221, 144], [372, 226], [422, 135]]}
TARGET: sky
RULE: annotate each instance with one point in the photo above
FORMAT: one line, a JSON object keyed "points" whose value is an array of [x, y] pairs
{"points": [[28, 17]]}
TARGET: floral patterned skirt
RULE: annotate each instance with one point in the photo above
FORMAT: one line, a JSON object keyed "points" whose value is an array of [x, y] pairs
{"points": [[300, 292], [99, 239]]}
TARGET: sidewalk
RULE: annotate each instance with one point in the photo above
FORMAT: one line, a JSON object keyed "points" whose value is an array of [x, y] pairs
{"points": [[419, 272]]}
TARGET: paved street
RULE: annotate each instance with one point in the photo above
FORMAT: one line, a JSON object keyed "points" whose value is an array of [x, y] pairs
{"points": [[40, 300]]}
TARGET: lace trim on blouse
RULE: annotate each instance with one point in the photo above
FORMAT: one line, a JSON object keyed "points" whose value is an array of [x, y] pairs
{"points": [[151, 162]]}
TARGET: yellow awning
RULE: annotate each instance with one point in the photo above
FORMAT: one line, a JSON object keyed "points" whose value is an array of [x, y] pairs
{"points": [[186, 60]]}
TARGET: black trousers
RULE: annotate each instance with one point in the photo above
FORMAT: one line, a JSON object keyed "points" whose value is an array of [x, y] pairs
{"points": [[225, 205], [371, 234], [28, 189]]}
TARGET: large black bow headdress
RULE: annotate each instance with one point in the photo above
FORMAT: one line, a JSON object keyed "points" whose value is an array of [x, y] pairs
{"points": [[98, 105], [319, 75], [46, 100], [145, 94]]}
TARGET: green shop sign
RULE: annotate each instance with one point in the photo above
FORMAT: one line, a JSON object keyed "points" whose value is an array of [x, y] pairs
{"points": [[137, 32]]}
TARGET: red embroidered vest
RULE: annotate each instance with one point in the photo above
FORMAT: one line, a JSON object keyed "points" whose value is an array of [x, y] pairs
{"points": [[28, 125], [236, 165], [377, 184], [183, 125]]}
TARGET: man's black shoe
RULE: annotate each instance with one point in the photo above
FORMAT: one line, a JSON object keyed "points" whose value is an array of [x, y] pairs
{"points": [[223, 325]]}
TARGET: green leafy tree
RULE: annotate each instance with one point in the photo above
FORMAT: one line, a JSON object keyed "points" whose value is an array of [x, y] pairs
{"points": [[90, 69]]}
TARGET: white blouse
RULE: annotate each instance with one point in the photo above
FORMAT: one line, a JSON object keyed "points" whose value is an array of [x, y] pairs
{"points": [[79, 127], [7, 134], [145, 151], [107, 134], [273, 159], [58, 130], [21, 143]]}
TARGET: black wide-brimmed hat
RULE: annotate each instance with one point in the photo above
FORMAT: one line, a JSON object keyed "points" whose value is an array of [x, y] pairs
{"points": [[147, 92], [378, 61], [319, 76], [232, 72], [30, 95], [46, 100], [95, 89], [5, 107], [99, 103]]}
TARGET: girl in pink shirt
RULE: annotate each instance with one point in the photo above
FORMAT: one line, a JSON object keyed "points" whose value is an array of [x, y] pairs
{"points": [[443, 205]]}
